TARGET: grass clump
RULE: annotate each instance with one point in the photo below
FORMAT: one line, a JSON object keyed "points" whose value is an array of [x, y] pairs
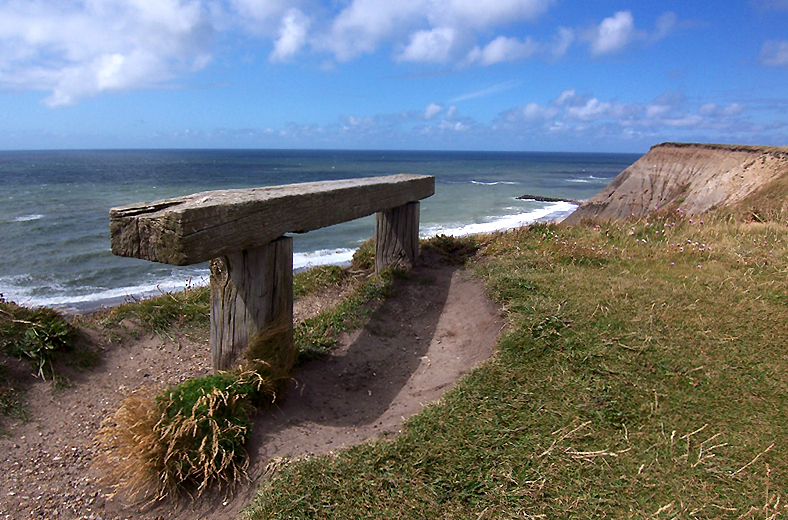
{"points": [[643, 375], [453, 250], [364, 257], [35, 334], [159, 313], [187, 438], [315, 336], [316, 279], [9, 393]]}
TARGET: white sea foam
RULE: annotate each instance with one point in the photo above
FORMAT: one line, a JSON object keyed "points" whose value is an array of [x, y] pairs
{"points": [[322, 257], [553, 210], [18, 289], [66, 300], [589, 179], [26, 218], [494, 183]]}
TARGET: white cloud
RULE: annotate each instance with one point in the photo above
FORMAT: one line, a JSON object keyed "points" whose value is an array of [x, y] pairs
{"points": [[614, 33], [593, 109], [80, 50], [561, 43], [483, 14], [507, 49], [432, 111], [364, 25], [536, 112], [504, 49], [259, 16], [774, 53], [664, 26], [713, 110], [657, 110], [433, 46], [292, 35], [454, 126], [565, 97]]}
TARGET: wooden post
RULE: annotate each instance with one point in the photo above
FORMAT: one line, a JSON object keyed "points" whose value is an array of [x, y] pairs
{"points": [[252, 304], [397, 236]]}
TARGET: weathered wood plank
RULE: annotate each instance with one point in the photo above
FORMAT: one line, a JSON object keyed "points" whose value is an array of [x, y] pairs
{"points": [[252, 305], [397, 236], [203, 226]]}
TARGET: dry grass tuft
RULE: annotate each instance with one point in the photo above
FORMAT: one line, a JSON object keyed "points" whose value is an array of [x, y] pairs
{"points": [[185, 439], [266, 356]]}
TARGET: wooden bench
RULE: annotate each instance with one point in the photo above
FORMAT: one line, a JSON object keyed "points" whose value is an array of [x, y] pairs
{"points": [[242, 233]]}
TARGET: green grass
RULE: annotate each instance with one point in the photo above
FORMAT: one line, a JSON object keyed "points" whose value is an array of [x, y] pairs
{"points": [[315, 336], [9, 393], [644, 375], [38, 335], [163, 312], [317, 279], [451, 250]]}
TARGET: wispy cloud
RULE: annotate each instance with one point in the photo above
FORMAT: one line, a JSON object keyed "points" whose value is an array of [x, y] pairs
{"points": [[572, 118], [772, 4], [774, 53], [490, 91], [670, 115]]}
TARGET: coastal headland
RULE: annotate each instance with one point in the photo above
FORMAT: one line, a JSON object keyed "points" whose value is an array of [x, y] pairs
{"points": [[692, 177]]}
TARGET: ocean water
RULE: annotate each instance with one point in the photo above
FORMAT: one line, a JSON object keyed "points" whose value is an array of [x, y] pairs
{"points": [[54, 207]]}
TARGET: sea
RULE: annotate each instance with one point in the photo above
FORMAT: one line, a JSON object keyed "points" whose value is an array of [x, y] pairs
{"points": [[54, 207]]}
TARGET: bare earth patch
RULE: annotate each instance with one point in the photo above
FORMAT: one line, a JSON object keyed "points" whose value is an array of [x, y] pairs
{"points": [[437, 325]]}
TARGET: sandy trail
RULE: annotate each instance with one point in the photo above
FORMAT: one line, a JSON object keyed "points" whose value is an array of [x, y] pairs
{"points": [[437, 325]]}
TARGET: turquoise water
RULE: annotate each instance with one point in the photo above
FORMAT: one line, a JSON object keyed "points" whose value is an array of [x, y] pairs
{"points": [[54, 216]]}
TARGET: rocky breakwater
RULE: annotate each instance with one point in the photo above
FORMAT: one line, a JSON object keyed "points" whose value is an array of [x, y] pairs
{"points": [[695, 177]]}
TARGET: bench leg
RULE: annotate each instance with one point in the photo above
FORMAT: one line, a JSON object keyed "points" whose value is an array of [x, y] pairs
{"points": [[397, 236], [252, 309]]}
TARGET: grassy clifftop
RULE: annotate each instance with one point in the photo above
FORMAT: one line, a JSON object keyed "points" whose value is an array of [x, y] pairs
{"points": [[644, 375], [726, 147]]}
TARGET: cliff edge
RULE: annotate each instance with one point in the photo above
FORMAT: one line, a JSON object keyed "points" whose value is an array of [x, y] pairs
{"points": [[695, 177]]}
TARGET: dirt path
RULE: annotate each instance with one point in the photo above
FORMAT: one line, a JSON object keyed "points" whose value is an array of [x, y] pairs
{"points": [[437, 326]]}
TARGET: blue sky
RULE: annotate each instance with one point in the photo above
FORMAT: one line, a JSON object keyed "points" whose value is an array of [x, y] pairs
{"points": [[531, 75]]}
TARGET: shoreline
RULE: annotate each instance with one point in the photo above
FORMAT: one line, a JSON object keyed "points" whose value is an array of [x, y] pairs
{"points": [[90, 306]]}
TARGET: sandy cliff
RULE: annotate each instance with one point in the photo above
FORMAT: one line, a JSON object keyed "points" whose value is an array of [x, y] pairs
{"points": [[695, 177]]}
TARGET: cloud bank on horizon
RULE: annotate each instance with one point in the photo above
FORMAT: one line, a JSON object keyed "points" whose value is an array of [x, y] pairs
{"points": [[503, 74]]}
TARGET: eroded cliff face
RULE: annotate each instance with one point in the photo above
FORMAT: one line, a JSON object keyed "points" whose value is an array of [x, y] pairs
{"points": [[695, 177]]}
